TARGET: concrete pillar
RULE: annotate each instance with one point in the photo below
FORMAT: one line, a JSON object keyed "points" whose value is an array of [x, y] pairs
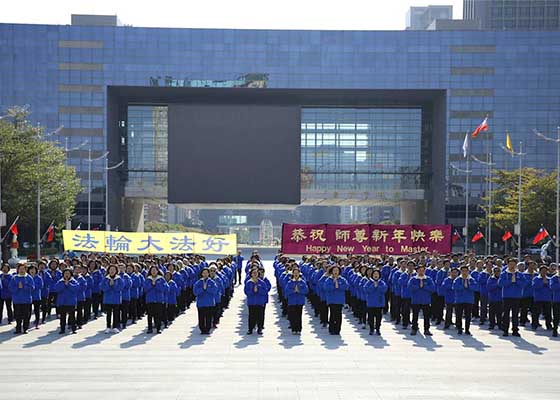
{"points": [[412, 212], [133, 215]]}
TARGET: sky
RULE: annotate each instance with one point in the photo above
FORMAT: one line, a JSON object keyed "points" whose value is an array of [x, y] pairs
{"points": [[232, 14]]}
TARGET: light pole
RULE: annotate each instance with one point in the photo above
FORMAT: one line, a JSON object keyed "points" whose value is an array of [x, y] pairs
{"points": [[488, 164], [466, 228], [549, 139], [107, 169], [520, 154], [91, 160]]}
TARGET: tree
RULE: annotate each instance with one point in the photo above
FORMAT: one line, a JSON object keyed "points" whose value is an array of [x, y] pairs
{"points": [[538, 200], [27, 160]]}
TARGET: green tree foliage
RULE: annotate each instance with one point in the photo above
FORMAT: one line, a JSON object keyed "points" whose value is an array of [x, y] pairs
{"points": [[28, 159], [538, 201], [154, 226]]}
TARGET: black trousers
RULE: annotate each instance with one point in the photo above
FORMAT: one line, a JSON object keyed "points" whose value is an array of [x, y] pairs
{"points": [[387, 301], [205, 319], [37, 311], [96, 299], [44, 308], [294, 316], [52, 302], [216, 312], [335, 320], [556, 315], [463, 309], [80, 313], [525, 305], [511, 306], [22, 314], [405, 311], [133, 309], [396, 308], [323, 312], [256, 317], [475, 306], [67, 312], [437, 307], [374, 317], [155, 315], [124, 309], [112, 310], [9, 309], [544, 308], [495, 314], [449, 307], [426, 312], [170, 312], [483, 308]]}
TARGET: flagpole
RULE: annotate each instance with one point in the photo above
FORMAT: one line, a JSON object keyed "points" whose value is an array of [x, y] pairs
{"points": [[47, 231], [490, 205], [519, 203], [466, 232], [9, 229]]}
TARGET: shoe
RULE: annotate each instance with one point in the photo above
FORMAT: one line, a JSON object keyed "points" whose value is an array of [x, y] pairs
{"points": [[25, 332], [377, 332], [150, 331], [468, 333], [259, 332], [555, 333], [446, 326], [363, 326], [158, 331], [17, 332], [108, 330], [491, 327], [459, 331], [61, 332], [481, 322], [249, 332], [116, 330], [413, 332], [516, 334], [505, 334], [371, 333], [74, 332], [427, 333]]}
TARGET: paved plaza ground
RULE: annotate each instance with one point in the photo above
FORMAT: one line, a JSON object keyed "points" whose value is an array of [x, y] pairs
{"points": [[181, 364]]}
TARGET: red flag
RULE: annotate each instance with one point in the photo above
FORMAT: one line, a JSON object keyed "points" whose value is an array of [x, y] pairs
{"points": [[478, 235], [14, 229], [482, 127], [50, 233], [507, 235], [541, 234], [456, 237]]}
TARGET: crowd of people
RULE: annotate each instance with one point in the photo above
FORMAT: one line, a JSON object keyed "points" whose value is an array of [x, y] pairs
{"points": [[451, 290], [125, 288]]}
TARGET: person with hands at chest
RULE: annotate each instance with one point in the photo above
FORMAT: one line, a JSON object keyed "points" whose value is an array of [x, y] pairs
{"points": [[66, 300], [255, 290], [205, 291], [296, 289], [542, 299], [375, 289], [112, 286], [335, 290], [5, 294], [464, 288], [21, 287], [421, 288], [155, 288], [554, 283], [512, 283], [38, 281]]}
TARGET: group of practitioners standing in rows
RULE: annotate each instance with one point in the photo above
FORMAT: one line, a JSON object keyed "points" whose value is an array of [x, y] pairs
{"points": [[80, 289]]}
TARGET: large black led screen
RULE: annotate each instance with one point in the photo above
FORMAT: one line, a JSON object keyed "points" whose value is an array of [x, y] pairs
{"points": [[236, 154]]}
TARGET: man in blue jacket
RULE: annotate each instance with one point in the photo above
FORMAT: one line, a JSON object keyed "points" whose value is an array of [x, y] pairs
{"points": [[296, 289], [421, 288], [238, 263], [512, 283], [542, 299], [404, 279], [494, 299], [464, 288]]}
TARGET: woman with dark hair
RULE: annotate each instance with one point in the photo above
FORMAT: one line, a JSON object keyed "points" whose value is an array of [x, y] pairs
{"points": [[375, 290], [55, 275], [36, 297], [135, 285], [66, 300], [335, 288], [154, 288], [21, 287], [171, 296], [6, 295], [81, 292], [47, 283], [205, 289], [112, 286], [96, 295], [295, 289], [255, 289], [124, 309]]}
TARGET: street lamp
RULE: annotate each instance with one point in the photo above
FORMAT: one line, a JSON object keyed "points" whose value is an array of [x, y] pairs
{"points": [[91, 160], [518, 227], [557, 141], [466, 228], [107, 169], [489, 164]]}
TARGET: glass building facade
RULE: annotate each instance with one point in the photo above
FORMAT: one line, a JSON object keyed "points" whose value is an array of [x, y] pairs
{"points": [[513, 77]]}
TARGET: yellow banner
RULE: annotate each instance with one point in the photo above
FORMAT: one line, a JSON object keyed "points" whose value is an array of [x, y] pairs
{"points": [[149, 243]]}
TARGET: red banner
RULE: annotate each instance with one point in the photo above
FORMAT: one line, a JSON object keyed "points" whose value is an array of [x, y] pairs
{"points": [[365, 239]]}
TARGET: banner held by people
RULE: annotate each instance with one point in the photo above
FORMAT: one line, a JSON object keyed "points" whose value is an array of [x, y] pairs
{"points": [[149, 242]]}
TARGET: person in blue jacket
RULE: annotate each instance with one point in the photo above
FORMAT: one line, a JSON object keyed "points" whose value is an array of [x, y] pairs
{"points": [[21, 287], [82, 290], [238, 264], [125, 293], [112, 286], [335, 290], [375, 289], [47, 283], [96, 295], [404, 279], [464, 288], [155, 288], [482, 281], [295, 289], [554, 284], [38, 281], [66, 300], [6, 295], [542, 299], [449, 296], [255, 289], [170, 299], [512, 283], [494, 299], [135, 289], [205, 290], [421, 288]]}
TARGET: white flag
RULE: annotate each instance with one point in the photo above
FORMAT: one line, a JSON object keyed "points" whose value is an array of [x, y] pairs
{"points": [[466, 145]]}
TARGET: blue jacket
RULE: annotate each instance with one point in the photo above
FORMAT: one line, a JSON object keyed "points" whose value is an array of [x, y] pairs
{"points": [[268, 286], [447, 290], [155, 293], [82, 287], [512, 290], [38, 281], [205, 297], [555, 287], [47, 283], [135, 285], [89, 285], [464, 295], [293, 297], [335, 295], [441, 276], [172, 292], [256, 298], [127, 283], [421, 295], [6, 293], [97, 277], [494, 290], [482, 281], [403, 283], [23, 295], [541, 291], [375, 295], [112, 294], [67, 294], [528, 289]]}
